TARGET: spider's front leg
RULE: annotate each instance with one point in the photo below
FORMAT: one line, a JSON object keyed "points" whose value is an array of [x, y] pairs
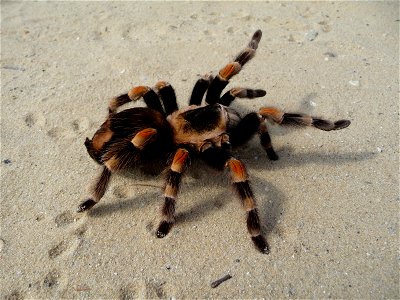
{"points": [[171, 189], [230, 70], [220, 158], [242, 186], [297, 119]]}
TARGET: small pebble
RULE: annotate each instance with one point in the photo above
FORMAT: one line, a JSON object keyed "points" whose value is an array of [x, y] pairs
{"points": [[221, 280], [311, 35], [354, 82], [15, 68], [330, 54], [379, 149], [1, 245]]}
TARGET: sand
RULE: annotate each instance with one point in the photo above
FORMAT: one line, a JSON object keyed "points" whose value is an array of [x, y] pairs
{"points": [[329, 207]]}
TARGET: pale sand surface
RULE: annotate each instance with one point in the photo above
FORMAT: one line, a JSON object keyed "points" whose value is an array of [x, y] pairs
{"points": [[329, 206]]}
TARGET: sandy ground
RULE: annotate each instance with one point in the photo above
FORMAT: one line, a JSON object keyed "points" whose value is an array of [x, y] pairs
{"points": [[329, 206]]}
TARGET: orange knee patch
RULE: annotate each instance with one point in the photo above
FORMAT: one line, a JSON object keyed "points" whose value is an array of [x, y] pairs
{"points": [[230, 70], [271, 112], [180, 158], [143, 137], [161, 84], [238, 170], [137, 92]]}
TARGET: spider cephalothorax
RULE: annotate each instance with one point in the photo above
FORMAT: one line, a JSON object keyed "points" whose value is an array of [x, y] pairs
{"points": [[140, 135]]}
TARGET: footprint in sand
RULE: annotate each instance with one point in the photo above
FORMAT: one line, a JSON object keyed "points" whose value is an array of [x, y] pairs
{"points": [[128, 292], [58, 249], [325, 26], [75, 234], [75, 128], [15, 295], [50, 284], [144, 289], [80, 125], [64, 219], [68, 246], [60, 133], [35, 119], [51, 280]]}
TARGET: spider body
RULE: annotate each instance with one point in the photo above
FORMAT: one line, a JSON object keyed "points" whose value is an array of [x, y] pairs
{"points": [[136, 136], [196, 126]]}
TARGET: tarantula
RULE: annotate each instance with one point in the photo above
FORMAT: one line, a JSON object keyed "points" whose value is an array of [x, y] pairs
{"points": [[138, 135]]}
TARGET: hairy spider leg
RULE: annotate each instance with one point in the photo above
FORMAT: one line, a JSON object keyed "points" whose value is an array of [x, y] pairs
{"points": [[168, 97], [266, 142], [149, 96], [98, 190], [297, 119], [174, 175], [230, 95], [231, 69], [200, 89], [118, 156], [220, 158], [124, 153], [247, 127], [241, 183]]}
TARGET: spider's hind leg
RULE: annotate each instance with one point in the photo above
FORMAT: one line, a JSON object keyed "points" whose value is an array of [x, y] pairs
{"points": [[98, 190], [171, 189], [200, 89], [119, 155], [168, 97], [149, 96]]}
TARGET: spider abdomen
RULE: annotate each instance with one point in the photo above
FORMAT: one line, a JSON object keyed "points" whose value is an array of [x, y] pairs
{"points": [[124, 126]]}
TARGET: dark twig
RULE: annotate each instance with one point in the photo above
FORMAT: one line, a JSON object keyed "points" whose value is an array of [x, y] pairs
{"points": [[221, 280]]}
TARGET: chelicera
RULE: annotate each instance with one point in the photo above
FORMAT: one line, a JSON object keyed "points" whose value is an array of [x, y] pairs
{"points": [[209, 131]]}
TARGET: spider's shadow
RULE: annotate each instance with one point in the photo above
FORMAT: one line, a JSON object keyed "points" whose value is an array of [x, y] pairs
{"points": [[288, 158], [270, 208], [135, 204]]}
